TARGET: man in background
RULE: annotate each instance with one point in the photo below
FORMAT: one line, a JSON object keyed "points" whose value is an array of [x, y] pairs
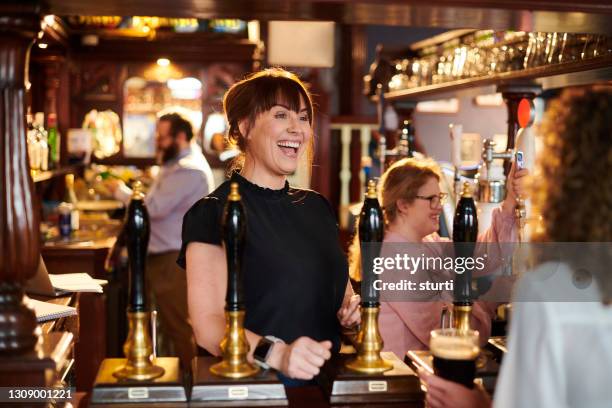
{"points": [[184, 178]]}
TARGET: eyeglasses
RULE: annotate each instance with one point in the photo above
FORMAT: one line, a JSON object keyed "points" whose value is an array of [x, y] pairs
{"points": [[434, 200]]}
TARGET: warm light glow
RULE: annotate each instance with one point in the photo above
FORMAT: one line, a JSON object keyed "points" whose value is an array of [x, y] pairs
{"points": [[439, 106], [146, 29], [163, 62], [49, 19], [185, 88], [495, 99], [43, 45]]}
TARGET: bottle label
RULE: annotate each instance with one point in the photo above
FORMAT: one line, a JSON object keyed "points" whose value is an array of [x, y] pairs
{"points": [[74, 220]]}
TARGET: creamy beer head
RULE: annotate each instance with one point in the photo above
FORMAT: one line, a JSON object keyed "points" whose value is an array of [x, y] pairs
{"points": [[454, 355], [454, 345]]}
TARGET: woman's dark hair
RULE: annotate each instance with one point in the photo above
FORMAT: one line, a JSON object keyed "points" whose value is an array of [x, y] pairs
{"points": [[258, 93], [178, 124]]}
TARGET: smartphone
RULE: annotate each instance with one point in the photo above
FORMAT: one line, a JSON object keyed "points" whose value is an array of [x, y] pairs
{"points": [[520, 160]]}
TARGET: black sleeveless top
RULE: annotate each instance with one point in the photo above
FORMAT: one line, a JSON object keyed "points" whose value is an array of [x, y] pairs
{"points": [[295, 272]]}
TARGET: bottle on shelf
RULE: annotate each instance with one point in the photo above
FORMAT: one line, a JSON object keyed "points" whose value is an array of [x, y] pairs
{"points": [[407, 140], [54, 141], [70, 197], [33, 145], [41, 138]]}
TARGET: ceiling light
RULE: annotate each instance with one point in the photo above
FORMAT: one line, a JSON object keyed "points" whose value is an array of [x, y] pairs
{"points": [[43, 45], [49, 19], [163, 62]]}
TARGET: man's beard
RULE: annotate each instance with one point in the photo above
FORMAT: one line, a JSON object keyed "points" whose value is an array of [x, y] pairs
{"points": [[169, 153]]}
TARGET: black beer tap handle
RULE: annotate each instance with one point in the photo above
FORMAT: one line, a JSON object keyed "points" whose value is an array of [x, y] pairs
{"points": [[465, 233], [234, 225], [371, 233], [137, 231]]}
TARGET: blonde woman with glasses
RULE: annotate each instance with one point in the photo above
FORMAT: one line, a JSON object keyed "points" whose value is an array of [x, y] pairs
{"points": [[409, 193]]}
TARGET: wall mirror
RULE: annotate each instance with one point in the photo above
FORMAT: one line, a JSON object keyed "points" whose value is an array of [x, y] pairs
{"points": [[149, 93]]}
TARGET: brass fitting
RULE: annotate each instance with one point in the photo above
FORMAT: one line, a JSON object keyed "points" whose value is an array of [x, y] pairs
{"points": [[234, 349], [369, 345], [138, 350]]}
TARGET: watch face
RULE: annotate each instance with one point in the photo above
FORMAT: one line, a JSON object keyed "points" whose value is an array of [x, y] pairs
{"points": [[262, 350]]}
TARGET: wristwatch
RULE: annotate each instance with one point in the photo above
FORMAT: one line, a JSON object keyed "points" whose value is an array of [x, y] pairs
{"points": [[264, 349]]}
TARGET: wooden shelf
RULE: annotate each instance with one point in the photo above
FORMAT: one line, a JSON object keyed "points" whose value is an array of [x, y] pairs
{"points": [[522, 76], [49, 174]]}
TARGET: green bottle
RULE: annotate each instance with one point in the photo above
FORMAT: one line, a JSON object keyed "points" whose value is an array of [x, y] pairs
{"points": [[54, 141]]}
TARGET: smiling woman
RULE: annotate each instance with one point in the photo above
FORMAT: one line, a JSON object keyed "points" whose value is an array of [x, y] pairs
{"points": [[270, 118], [296, 285]]}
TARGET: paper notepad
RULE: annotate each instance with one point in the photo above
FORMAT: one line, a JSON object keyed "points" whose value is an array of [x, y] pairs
{"points": [[48, 311], [75, 282]]}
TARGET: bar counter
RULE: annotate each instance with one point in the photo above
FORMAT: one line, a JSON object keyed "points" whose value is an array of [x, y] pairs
{"points": [[86, 252], [299, 397]]}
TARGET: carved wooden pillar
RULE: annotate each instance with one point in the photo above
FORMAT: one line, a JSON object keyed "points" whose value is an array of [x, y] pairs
{"points": [[19, 239]]}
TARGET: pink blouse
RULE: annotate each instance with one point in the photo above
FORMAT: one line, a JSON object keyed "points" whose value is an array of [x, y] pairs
{"points": [[406, 325]]}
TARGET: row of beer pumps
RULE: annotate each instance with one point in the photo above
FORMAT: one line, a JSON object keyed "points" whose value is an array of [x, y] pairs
{"points": [[159, 377], [143, 377]]}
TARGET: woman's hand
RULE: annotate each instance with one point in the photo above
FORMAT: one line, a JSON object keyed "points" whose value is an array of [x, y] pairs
{"points": [[349, 314], [442, 393], [301, 359], [515, 187]]}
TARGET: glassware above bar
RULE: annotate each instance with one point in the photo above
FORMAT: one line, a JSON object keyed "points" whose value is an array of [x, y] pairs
{"points": [[487, 52]]}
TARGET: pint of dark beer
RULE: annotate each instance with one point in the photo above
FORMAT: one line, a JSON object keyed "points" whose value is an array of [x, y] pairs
{"points": [[454, 355]]}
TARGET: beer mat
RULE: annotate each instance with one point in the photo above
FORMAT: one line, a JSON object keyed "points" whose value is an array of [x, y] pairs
{"points": [[399, 367], [424, 359]]}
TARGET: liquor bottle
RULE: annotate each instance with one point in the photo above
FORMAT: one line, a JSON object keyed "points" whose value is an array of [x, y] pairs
{"points": [[465, 232], [41, 138], [54, 141], [70, 197], [407, 139], [371, 231], [33, 145]]}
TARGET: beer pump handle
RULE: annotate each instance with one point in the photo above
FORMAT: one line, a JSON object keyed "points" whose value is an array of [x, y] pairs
{"points": [[465, 232], [371, 231], [137, 231], [234, 225]]}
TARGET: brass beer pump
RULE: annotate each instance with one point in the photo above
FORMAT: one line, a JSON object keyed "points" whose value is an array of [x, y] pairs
{"points": [[138, 347], [465, 232], [369, 340], [234, 346]]}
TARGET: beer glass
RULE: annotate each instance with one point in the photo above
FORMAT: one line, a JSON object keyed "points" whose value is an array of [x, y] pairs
{"points": [[454, 355]]}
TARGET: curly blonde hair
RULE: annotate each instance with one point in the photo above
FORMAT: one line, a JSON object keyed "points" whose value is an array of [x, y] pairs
{"points": [[574, 191]]}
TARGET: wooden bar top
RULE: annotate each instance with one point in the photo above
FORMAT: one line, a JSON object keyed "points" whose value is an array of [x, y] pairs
{"points": [[86, 251]]}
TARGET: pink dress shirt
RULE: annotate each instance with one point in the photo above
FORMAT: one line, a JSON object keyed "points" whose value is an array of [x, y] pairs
{"points": [[406, 325]]}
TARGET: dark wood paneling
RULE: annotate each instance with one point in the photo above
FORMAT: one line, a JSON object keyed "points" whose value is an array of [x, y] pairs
{"points": [[550, 15], [179, 48], [352, 68]]}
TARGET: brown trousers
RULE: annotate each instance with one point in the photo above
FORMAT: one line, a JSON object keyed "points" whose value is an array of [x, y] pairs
{"points": [[167, 282]]}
